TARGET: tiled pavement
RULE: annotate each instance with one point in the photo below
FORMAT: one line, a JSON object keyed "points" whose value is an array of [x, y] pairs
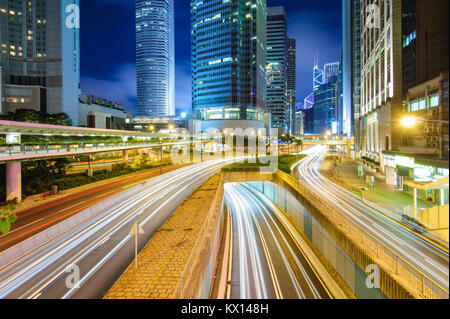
{"points": [[162, 261]]}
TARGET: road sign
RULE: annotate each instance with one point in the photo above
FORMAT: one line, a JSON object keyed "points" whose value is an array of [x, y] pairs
{"points": [[135, 231], [360, 171], [135, 227]]}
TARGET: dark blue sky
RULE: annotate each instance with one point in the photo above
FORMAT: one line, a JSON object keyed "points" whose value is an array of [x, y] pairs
{"points": [[108, 45]]}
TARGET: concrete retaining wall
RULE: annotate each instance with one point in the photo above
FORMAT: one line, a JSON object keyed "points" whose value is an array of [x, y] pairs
{"points": [[389, 285]]}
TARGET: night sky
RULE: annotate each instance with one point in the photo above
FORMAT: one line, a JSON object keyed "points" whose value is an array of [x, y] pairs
{"points": [[108, 46]]}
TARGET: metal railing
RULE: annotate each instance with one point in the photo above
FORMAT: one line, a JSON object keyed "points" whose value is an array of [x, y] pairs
{"points": [[411, 276], [72, 147]]}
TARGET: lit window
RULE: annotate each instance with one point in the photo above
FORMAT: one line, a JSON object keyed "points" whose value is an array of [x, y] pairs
{"points": [[434, 100]]}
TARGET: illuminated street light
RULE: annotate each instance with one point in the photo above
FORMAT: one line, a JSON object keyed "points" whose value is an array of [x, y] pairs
{"points": [[171, 127], [409, 121]]}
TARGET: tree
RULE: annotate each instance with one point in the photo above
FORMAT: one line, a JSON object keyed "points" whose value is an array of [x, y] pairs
{"points": [[7, 218], [32, 116], [299, 143], [143, 159]]}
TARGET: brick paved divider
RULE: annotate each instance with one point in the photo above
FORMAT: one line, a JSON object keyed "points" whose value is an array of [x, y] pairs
{"points": [[18, 251], [197, 277]]}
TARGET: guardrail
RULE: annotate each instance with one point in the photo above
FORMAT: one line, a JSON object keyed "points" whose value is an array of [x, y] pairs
{"points": [[60, 148], [420, 282]]}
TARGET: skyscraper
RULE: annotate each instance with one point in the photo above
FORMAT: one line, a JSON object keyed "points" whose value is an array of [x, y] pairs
{"points": [[228, 43], [330, 70], [40, 56], [325, 112], [317, 75], [155, 57], [292, 80], [277, 68], [351, 68]]}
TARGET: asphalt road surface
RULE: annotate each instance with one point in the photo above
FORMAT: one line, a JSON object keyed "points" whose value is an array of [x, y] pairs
{"points": [[99, 249], [36, 219], [266, 261]]}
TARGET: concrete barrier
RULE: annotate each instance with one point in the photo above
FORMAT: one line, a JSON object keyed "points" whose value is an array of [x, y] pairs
{"points": [[393, 286]]}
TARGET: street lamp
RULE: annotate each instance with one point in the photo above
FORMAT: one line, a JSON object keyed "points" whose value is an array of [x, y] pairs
{"points": [[410, 121]]}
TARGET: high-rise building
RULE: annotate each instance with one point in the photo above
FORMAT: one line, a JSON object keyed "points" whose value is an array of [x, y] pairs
{"points": [[298, 125], [389, 69], [155, 58], [331, 71], [325, 112], [351, 69], [292, 79], [40, 56], [308, 123], [277, 69], [228, 44], [309, 101], [381, 80], [317, 75]]}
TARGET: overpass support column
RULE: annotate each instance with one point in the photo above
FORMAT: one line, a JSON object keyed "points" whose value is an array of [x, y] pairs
{"points": [[14, 181], [125, 156], [416, 217]]}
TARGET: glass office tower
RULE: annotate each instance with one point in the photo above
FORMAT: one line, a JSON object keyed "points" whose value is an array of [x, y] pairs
{"points": [[155, 58], [351, 68], [277, 68], [228, 43], [292, 81], [325, 112], [40, 56]]}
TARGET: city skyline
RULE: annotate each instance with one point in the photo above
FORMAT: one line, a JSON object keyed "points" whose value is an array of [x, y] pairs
{"points": [[315, 26], [235, 197]]}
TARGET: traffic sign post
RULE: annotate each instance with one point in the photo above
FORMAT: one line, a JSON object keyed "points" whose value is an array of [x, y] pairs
{"points": [[135, 230]]}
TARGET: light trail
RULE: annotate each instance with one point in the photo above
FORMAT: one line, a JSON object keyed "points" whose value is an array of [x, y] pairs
{"points": [[34, 274], [431, 260], [268, 258]]}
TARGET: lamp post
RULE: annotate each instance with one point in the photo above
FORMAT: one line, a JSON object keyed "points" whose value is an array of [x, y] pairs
{"points": [[410, 121]]}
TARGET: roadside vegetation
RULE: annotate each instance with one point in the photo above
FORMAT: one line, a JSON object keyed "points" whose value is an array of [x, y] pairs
{"points": [[39, 176], [285, 163]]}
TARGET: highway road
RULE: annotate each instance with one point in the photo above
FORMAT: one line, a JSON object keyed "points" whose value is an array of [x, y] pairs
{"points": [[101, 247], [423, 255], [266, 261], [36, 219]]}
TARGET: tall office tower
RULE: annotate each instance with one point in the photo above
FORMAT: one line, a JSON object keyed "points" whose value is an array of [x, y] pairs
{"points": [[341, 115], [228, 43], [351, 69], [381, 79], [155, 58], [292, 80], [330, 71], [277, 68], [325, 112], [317, 75], [40, 56], [309, 101]]}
